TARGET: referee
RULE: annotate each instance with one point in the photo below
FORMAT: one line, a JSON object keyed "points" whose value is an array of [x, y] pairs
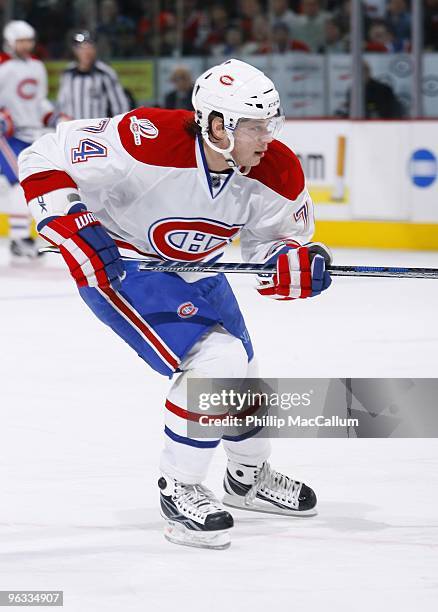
{"points": [[89, 88]]}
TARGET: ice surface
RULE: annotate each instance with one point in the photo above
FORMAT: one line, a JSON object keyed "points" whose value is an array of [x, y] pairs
{"points": [[80, 433]]}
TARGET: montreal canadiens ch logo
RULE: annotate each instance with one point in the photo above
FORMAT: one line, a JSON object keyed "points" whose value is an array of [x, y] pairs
{"points": [[27, 89], [142, 128], [180, 239], [226, 79], [187, 310]]}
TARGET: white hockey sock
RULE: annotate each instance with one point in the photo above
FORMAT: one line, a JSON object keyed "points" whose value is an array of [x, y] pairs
{"points": [[217, 355], [253, 450]]}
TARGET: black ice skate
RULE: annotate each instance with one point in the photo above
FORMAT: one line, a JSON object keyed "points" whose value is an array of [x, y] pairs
{"points": [[264, 490], [194, 517], [24, 250]]}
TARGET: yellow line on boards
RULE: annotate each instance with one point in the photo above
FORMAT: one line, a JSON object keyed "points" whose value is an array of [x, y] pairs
{"points": [[378, 234], [4, 225], [327, 195]]}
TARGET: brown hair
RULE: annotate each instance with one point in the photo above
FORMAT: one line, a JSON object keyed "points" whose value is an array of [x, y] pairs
{"points": [[194, 130]]}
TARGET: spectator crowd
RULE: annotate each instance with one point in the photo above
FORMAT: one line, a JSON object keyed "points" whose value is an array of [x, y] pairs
{"points": [[137, 28]]}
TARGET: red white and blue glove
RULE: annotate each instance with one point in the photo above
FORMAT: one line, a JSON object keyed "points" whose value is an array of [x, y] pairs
{"points": [[53, 118], [6, 123], [301, 272], [90, 253]]}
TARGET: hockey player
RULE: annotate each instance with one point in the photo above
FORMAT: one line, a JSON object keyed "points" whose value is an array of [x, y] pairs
{"points": [[180, 186], [25, 112]]}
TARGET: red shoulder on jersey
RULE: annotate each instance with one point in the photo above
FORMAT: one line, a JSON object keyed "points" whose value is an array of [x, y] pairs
{"points": [[280, 170], [158, 137], [4, 57]]}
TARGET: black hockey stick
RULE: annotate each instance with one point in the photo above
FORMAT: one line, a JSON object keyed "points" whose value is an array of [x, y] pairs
{"points": [[248, 268]]}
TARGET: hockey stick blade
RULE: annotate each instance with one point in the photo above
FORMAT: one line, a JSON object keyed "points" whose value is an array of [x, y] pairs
{"points": [[248, 268]]}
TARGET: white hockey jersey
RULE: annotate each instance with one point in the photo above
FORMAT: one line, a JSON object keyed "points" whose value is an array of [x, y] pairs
{"points": [[146, 179], [23, 92]]}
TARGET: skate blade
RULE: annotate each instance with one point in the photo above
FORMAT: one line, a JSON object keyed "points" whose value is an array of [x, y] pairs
{"points": [[259, 505], [213, 540]]}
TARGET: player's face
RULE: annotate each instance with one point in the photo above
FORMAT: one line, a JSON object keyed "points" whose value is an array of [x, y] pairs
{"points": [[251, 139], [24, 47]]}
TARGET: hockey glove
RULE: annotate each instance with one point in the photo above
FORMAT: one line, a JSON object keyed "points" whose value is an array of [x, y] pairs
{"points": [[300, 273], [90, 253], [6, 123], [53, 118]]}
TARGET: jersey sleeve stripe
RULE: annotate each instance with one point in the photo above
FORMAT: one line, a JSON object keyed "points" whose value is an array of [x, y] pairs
{"points": [[40, 183]]}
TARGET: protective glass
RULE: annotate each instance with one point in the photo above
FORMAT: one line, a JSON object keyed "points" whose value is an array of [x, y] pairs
{"points": [[263, 130]]}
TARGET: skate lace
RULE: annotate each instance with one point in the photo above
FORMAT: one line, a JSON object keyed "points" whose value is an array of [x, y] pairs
{"points": [[276, 485], [196, 500]]}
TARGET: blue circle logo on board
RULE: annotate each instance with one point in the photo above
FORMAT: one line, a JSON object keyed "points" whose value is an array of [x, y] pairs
{"points": [[423, 168]]}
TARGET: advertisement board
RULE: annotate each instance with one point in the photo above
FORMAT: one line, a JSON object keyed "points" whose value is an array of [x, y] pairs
{"points": [[135, 75]]}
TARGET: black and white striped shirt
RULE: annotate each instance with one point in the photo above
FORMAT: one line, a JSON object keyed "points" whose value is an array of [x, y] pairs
{"points": [[97, 93]]}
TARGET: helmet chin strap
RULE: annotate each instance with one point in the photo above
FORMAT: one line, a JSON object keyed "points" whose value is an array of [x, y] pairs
{"points": [[226, 152]]}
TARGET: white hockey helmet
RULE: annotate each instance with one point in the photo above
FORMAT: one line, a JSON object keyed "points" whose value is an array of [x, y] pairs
{"points": [[16, 30], [237, 90]]}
